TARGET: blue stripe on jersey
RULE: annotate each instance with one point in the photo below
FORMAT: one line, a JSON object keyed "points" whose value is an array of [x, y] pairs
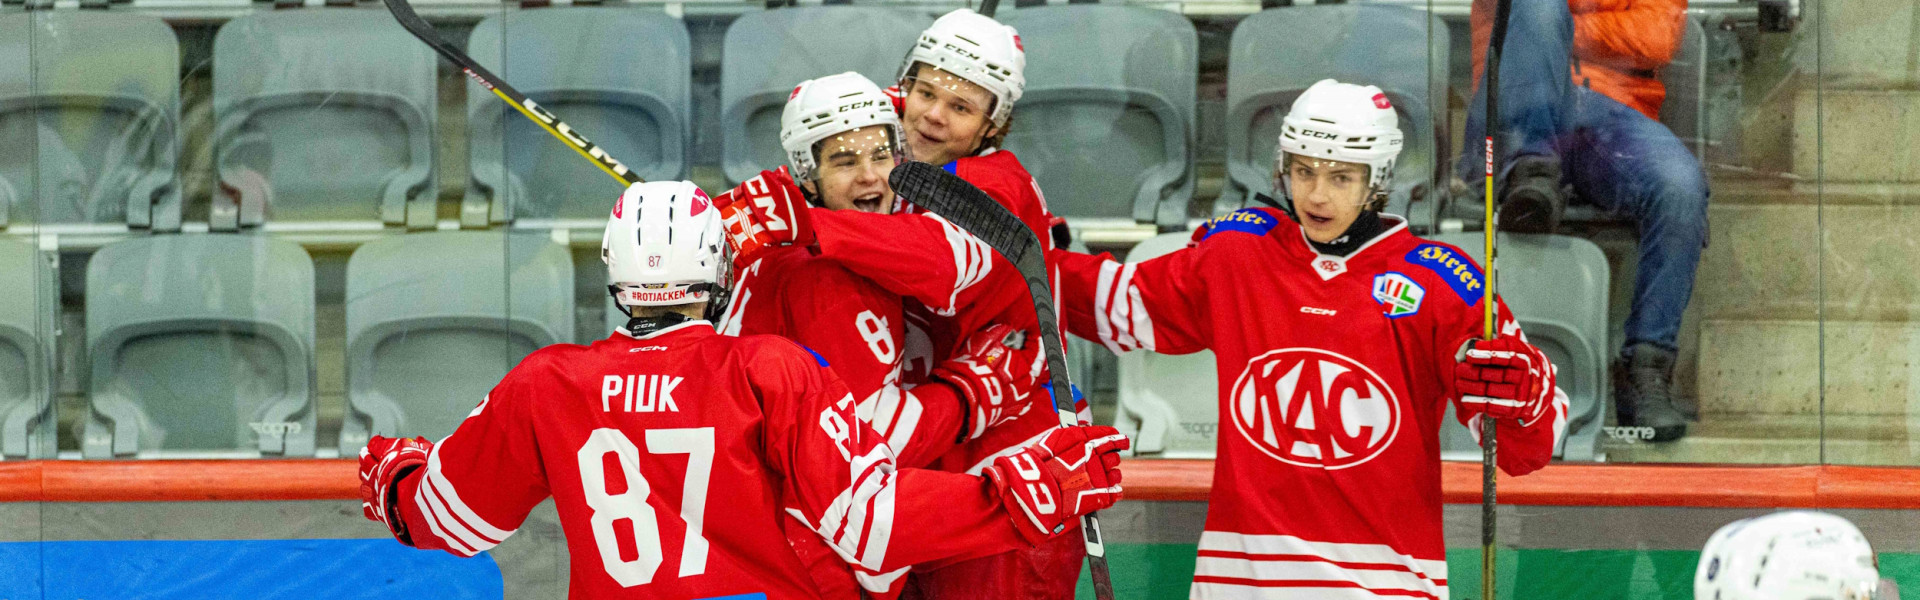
{"points": [[816, 355], [952, 166]]}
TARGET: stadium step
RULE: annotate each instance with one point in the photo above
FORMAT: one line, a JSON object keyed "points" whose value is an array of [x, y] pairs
{"points": [[1781, 439]]}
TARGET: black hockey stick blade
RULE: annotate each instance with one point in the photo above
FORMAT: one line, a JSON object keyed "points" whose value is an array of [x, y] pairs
{"points": [[420, 28], [972, 210]]}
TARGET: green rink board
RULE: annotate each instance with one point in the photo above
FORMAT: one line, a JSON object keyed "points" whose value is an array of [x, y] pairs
{"points": [[1163, 571]]}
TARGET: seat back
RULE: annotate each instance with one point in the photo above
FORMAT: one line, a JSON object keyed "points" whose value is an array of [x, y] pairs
{"points": [[26, 352], [767, 53], [621, 75], [200, 342], [1276, 54], [1169, 404], [1556, 286], [1106, 122], [282, 78], [91, 119], [434, 320]]}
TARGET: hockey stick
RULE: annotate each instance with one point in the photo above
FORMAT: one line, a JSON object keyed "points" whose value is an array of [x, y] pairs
{"points": [[970, 209], [1489, 442], [988, 6], [420, 28]]}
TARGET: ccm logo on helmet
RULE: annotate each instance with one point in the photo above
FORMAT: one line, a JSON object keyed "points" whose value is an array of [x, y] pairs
{"points": [[1314, 408], [962, 51], [1318, 134]]}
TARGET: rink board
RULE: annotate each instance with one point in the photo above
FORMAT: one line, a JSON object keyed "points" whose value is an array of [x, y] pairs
{"points": [[74, 530]]}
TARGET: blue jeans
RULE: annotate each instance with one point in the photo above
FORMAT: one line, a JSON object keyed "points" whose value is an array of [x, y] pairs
{"points": [[1612, 155]]}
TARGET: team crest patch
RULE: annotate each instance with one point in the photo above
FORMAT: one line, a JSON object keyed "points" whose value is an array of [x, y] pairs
{"points": [[1245, 220], [1398, 293], [1459, 272]]}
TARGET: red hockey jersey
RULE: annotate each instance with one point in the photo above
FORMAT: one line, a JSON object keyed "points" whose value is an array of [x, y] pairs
{"points": [[676, 459], [960, 282], [1335, 373], [859, 329]]}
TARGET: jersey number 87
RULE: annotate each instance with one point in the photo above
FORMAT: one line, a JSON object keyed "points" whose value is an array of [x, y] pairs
{"points": [[631, 505]]}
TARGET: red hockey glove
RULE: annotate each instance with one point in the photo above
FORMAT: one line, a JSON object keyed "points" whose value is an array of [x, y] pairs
{"points": [[1504, 377], [382, 463], [898, 97], [1070, 472], [764, 212], [994, 370]]}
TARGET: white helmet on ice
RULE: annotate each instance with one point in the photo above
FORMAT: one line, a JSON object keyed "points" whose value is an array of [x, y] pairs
{"points": [[1792, 555], [665, 246], [1343, 122], [978, 49], [831, 105]]}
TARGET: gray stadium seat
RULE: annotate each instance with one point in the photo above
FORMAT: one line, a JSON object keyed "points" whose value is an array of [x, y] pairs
{"points": [[322, 115], [1557, 286], [102, 99], [200, 342], [1278, 53], [621, 76], [767, 53], [1169, 404], [1106, 123], [434, 320], [26, 352]]}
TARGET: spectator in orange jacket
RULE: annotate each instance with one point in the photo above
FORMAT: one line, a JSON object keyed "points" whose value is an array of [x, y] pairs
{"points": [[1579, 97]]}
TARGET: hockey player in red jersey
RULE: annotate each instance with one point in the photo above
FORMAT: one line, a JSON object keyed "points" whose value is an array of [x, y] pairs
{"points": [[956, 94], [1340, 339], [842, 139], [677, 457]]}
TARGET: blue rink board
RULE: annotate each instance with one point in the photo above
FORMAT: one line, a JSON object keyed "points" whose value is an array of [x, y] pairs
{"points": [[240, 569]]}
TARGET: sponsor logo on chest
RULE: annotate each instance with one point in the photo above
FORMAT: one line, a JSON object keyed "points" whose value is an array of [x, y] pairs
{"points": [[1314, 408], [1398, 293]]}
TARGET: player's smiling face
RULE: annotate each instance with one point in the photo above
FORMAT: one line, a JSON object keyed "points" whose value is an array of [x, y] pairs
{"points": [[1327, 195], [853, 170], [945, 116]]}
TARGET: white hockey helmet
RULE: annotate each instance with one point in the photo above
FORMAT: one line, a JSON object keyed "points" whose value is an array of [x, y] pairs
{"points": [[831, 105], [1790, 555], [665, 246], [1343, 122], [978, 49]]}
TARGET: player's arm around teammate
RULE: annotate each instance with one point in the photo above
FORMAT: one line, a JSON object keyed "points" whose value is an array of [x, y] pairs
{"points": [[761, 398], [842, 140]]}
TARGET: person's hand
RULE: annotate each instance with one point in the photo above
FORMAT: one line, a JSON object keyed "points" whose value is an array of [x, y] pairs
{"points": [[994, 369], [1070, 472], [767, 211], [1505, 378], [382, 463]]}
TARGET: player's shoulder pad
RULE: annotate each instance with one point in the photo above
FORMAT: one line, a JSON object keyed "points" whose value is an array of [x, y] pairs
{"points": [[780, 345], [1453, 267], [1256, 221]]}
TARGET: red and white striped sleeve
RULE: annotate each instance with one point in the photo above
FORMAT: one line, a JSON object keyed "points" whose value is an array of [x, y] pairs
{"points": [[844, 485], [480, 482], [1157, 305]]}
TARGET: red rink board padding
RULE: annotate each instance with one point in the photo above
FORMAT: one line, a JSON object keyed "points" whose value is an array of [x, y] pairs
{"points": [[1569, 484]]}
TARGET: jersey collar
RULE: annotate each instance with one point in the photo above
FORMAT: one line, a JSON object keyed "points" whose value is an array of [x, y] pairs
{"points": [[1328, 266], [622, 330]]}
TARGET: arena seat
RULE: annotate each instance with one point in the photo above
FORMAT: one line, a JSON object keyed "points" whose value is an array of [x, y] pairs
{"points": [[101, 100], [434, 320], [200, 342], [1106, 122], [767, 53], [1169, 404], [1557, 286], [1276, 54], [621, 76], [323, 114], [26, 352]]}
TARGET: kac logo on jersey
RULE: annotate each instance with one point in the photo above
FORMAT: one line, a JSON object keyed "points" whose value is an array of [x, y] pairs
{"points": [[1398, 293], [1314, 408], [1459, 273]]}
